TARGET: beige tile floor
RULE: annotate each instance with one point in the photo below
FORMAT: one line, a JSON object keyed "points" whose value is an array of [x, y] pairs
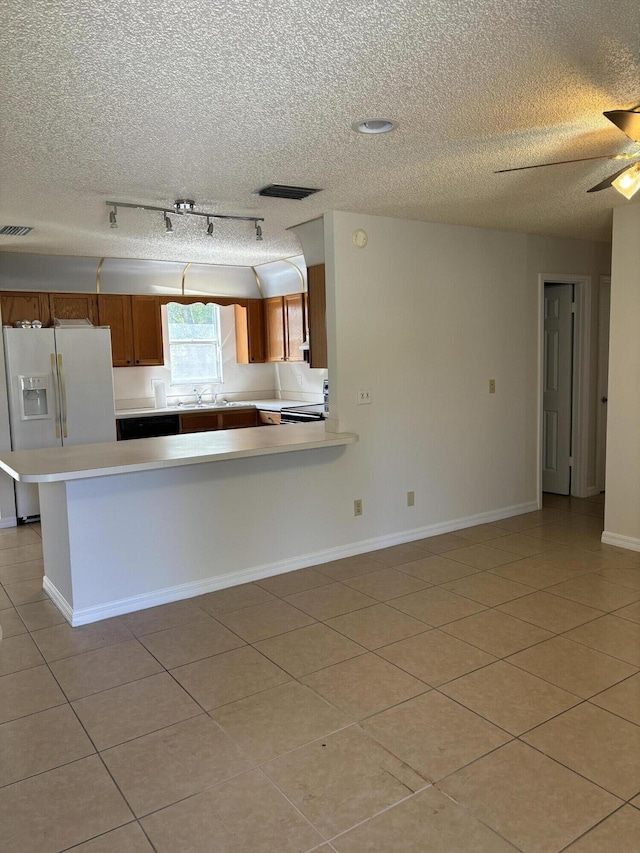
{"points": [[475, 692]]}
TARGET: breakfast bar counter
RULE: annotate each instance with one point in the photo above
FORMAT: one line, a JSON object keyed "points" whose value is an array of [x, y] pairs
{"points": [[129, 525], [55, 464]]}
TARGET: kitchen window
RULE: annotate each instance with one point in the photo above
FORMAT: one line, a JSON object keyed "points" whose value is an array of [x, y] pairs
{"points": [[193, 342]]}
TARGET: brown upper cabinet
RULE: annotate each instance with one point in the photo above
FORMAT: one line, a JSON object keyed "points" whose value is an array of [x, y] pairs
{"points": [[285, 326], [317, 316], [16, 306], [115, 312], [74, 306], [136, 329], [266, 329], [147, 330], [250, 343]]}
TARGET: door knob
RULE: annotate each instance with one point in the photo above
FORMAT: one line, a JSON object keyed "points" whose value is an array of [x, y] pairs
{"points": [[603, 399]]}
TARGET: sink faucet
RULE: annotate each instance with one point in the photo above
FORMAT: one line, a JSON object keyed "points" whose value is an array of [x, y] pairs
{"points": [[198, 396]]}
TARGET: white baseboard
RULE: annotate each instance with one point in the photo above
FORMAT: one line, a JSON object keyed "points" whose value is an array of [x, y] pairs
{"points": [[86, 615], [628, 542], [592, 491], [59, 600], [11, 521]]}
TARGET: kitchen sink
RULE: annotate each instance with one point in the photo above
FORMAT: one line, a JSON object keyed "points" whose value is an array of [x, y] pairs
{"points": [[221, 405]]}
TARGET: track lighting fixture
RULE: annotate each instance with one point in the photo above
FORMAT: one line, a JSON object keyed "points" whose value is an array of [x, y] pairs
{"points": [[184, 207]]}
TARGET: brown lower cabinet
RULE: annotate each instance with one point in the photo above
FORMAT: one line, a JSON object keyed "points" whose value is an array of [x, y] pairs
{"points": [[205, 421]]}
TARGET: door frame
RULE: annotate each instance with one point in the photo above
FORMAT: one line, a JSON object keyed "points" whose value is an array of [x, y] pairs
{"points": [[581, 392], [601, 449]]}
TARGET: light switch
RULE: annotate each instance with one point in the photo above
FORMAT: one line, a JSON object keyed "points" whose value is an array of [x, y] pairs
{"points": [[492, 386]]}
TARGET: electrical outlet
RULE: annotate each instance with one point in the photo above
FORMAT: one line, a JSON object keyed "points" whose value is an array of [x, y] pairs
{"points": [[492, 386], [357, 507], [411, 498], [364, 396], [299, 378]]}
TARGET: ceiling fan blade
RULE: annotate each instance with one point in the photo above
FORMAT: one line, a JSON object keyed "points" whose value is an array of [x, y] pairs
{"points": [[604, 185], [628, 121], [557, 163]]}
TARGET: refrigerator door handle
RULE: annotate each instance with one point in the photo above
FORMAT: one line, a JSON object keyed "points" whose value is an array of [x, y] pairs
{"points": [[63, 396], [56, 392]]}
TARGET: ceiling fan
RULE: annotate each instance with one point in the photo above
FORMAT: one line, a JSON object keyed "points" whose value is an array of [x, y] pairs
{"points": [[627, 179]]}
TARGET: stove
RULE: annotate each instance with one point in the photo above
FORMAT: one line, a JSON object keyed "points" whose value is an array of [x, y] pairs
{"points": [[302, 414]]}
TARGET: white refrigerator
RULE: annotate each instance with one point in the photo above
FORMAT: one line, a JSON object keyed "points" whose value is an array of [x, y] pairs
{"points": [[60, 391]]}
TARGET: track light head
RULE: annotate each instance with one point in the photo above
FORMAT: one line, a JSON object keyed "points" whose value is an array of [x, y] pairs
{"points": [[112, 219], [258, 232], [168, 227], [209, 227]]}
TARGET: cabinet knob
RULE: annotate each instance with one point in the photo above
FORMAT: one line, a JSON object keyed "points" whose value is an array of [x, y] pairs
{"points": [[137, 361], [128, 361]]}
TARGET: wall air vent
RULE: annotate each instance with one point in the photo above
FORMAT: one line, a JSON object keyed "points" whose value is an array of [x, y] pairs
{"points": [[15, 230], [283, 191]]}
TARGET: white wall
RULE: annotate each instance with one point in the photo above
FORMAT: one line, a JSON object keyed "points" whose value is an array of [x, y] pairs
{"points": [[425, 315], [622, 507]]}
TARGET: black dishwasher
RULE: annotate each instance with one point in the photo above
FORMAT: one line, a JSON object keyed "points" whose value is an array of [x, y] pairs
{"points": [[148, 427]]}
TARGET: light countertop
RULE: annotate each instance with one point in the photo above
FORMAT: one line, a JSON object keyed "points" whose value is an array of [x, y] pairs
{"points": [[271, 405], [57, 464]]}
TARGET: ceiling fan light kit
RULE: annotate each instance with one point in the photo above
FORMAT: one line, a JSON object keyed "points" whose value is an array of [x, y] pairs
{"points": [[183, 207], [628, 183], [626, 180]]}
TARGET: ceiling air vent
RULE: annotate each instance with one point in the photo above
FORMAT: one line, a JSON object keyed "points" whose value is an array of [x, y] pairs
{"points": [[15, 230], [283, 191]]}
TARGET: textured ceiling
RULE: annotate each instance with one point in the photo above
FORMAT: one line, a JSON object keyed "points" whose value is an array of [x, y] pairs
{"points": [[212, 100]]}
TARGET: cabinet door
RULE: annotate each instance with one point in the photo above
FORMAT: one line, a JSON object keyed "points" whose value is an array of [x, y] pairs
{"points": [[317, 316], [74, 306], [294, 325], [236, 419], [249, 321], [274, 325], [255, 318], [115, 312], [147, 330], [200, 422], [24, 306]]}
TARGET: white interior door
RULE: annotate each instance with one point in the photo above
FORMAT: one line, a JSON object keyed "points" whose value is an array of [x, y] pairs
{"points": [[603, 378], [557, 388]]}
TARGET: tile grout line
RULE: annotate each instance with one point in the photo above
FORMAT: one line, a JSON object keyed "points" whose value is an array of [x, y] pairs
{"points": [[373, 651]]}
